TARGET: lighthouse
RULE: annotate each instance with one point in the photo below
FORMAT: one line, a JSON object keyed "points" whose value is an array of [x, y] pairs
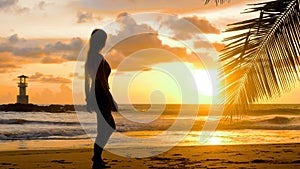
{"points": [[22, 98]]}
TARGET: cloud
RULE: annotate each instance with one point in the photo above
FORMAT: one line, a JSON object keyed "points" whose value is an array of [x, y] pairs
{"points": [[22, 10], [128, 26], [12, 5], [7, 67], [218, 46], [76, 75], [39, 77], [42, 5], [203, 24], [39, 51], [74, 45], [33, 52], [11, 46], [170, 6], [122, 14], [5, 48], [14, 39], [125, 46], [144, 49], [20, 47], [146, 69], [68, 51], [52, 60], [204, 44], [84, 16], [4, 4], [115, 57], [54, 52], [186, 28], [9, 63]]}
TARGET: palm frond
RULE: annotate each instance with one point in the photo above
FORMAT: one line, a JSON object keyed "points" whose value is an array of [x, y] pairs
{"points": [[216, 1], [262, 61]]}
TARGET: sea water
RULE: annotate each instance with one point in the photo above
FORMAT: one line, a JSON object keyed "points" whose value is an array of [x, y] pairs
{"points": [[264, 124]]}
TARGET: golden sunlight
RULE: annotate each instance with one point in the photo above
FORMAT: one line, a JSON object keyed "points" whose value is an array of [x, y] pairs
{"points": [[203, 82]]}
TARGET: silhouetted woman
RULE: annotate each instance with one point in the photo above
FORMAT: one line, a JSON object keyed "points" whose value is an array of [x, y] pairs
{"points": [[98, 96]]}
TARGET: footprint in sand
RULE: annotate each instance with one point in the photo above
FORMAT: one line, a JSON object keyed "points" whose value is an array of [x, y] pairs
{"points": [[61, 161], [6, 164]]}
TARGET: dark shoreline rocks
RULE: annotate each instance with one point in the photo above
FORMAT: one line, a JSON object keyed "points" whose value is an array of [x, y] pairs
{"points": [[53, 108]]}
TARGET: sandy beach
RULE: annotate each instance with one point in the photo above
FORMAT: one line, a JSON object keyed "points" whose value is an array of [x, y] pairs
{"points": [[227, 156]]}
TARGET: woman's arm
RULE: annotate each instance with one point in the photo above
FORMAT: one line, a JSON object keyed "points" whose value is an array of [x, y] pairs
{"points": [[87, 90]]}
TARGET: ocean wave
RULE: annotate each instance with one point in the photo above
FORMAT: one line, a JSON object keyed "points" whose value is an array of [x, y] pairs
{"points": [[44, 134], [281, 120], [23, 121], [276, 122], [272, 111]]}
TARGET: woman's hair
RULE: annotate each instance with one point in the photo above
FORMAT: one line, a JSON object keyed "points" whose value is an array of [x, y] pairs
{"points": [[97, 42], [95, 30]]}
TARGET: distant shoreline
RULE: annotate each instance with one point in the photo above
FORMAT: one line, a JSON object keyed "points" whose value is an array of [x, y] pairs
{"points": [[55, 108], [65, 108]]}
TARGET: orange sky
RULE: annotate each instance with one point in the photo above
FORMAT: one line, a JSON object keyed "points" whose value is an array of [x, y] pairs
{"points": [[42, 39]]}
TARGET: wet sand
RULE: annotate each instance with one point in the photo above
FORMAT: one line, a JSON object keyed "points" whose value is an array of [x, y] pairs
{"points": [[269, 156]]}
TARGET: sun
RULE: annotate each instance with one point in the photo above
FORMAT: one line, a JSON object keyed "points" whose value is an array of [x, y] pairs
{"points": [[203, 82]]}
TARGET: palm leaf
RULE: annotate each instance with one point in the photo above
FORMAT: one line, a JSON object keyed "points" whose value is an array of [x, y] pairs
{"points": [[262, 60], [216, 1]]}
